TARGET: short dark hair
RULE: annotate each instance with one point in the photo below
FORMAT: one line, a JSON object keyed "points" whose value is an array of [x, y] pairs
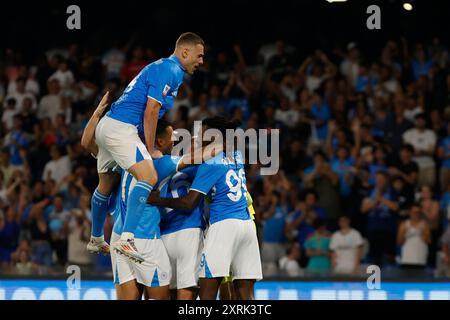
{"points": [[189, 38], [161, 127], [319, 223], [407, 147]]}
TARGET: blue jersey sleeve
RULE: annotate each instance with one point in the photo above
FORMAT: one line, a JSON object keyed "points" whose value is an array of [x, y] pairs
{"points": [[160, 80], [207, 176], [166, 166]]}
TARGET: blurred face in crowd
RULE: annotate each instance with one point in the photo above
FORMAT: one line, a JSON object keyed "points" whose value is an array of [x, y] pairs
{"points": [[49, 186], [63, 66], [53, 86], [421, 55], [405, 155], [342, 153], [20, 85], [344, 223], [23, 256], [340, 104], [295, 252], [296, 147], [420, 123], [398, 185], [10, 214], [319, 161], [54, 153], [203, 100], [4, 158], [310, 200], [38, 189], [17, 124], [426, 192], [379, 155], [27, 104], [380, 181], [59, 204], [214, 92], [415, 213]]}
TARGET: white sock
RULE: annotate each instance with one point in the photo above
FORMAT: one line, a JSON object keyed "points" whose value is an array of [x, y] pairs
{"points": [[126, 236], [98, 239]]}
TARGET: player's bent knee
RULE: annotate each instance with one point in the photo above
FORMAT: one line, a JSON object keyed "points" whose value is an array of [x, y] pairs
{"points": [[144, 171]]}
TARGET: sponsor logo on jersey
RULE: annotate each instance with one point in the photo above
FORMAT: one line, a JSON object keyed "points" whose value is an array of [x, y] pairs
{"points": [[166, 89]]}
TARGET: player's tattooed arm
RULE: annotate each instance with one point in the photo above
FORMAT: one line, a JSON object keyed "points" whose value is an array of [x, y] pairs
{"points": [[200, 155], [150, 121], [88, 137], [188, 202]]}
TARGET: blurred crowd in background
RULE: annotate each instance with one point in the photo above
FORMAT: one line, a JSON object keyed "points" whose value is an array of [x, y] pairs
{"points": [[365, 152]]}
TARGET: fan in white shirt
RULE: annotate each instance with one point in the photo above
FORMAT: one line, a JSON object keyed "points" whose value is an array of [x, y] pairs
{"points": [[347, 247], [424, 142], [19, 95], [64, 76], [58, 168]]}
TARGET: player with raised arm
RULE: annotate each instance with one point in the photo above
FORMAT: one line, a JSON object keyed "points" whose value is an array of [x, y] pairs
{"points": [[146, 98], [231, 244]]}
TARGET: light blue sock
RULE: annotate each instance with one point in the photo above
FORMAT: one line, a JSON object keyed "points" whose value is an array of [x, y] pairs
{"points": [[99, 207], [137, 201]]}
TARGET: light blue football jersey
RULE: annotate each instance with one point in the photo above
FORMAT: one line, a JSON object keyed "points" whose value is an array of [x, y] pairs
{"points": [[222, 178], [173, 220], [160, 81], [148, 227]]}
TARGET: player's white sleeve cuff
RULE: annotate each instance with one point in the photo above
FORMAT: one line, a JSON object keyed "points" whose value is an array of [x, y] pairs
{"points": [[150, 97], [192, 189], [178, 164]]}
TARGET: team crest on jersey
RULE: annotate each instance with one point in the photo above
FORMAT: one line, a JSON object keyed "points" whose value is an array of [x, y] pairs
{"points": [[166, 89]]}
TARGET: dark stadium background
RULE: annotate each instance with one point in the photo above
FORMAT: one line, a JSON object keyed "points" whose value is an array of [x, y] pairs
{"points": [[308, 24]]}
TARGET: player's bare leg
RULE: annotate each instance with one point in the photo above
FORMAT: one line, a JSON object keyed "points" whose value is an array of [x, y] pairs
{"points": [[145, 174], [131, 290], [118, 291], [244, 289], [226, 291], [157, 293], [209, 288], [187, 294], [173, 294], [107, 183]]}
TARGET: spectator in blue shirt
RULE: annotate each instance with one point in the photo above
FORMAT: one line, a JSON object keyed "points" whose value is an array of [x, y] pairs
{"points": [[421, 65], [321, 114], [381, 207], [16, 140], [343, 166], [444, 155], [9, 234], [274, 219]]}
